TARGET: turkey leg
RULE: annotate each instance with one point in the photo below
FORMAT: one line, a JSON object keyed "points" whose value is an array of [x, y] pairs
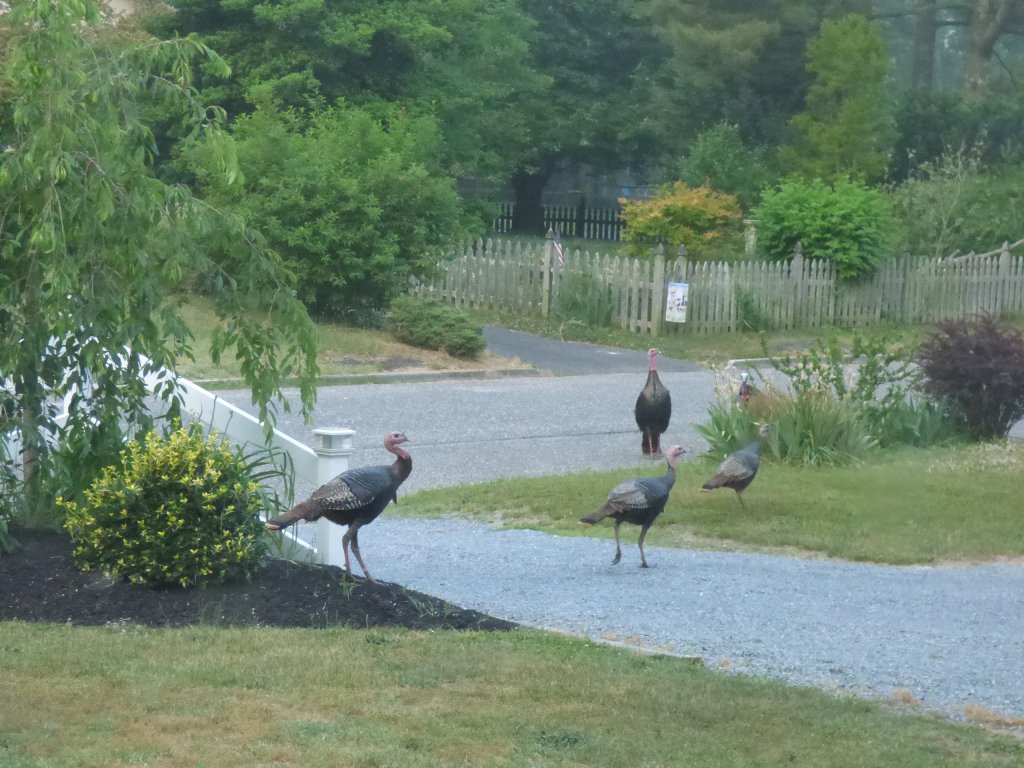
{"points": [[643, 533], [352, 536], [618, 549]]}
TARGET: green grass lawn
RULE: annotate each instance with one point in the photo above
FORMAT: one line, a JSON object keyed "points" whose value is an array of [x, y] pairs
{"points": [[209, 697], [901, 507]]}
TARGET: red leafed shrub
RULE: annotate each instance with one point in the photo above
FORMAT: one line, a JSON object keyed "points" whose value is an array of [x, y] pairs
{"points": [[976, 367]]}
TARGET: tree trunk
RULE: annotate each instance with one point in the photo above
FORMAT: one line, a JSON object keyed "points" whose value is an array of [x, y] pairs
{"points": [[922, 73], [528, 186], [989, 19]]}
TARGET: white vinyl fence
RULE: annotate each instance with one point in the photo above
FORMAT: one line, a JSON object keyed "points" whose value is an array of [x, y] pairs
{"points": [[329, 456]]}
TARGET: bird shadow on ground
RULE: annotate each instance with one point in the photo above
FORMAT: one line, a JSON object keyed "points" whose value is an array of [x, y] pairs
{"points": [[41, 583]]}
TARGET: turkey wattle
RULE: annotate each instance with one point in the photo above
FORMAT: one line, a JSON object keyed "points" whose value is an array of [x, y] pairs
{"points": [[740, 468], [638, 501], [354, 498], [653, 410]]}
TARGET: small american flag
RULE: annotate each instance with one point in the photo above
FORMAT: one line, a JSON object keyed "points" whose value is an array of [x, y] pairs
{"points": [[558, 248]]}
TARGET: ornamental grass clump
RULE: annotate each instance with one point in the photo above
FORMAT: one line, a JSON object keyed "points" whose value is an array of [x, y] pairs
{"points": [[178, 510]]}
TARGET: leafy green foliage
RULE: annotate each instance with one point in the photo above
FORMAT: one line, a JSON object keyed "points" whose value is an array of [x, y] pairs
{"points": [[93, 245], [465, 63], [809, 428], [878, 377], [431, 325], [585, 300], [844, 222], [933, 124], [847, 129], [976, 367], [679, 215], [836, 405], [720, 159], [182, 510], [354, 203]]}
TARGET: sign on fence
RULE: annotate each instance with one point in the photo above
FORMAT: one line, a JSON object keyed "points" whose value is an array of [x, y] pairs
{"points": [[678, 298]]}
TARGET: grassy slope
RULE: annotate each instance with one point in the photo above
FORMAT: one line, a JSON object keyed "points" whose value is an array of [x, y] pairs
{"points": [[224, 697]]}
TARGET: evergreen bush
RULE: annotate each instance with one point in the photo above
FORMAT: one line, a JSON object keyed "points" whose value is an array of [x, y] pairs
{"points": [[182, 510], [430, 325]]}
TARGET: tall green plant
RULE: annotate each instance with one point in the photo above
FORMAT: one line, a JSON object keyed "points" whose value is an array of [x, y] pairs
{"points": [[848, 127], [93, 245], [844, 222]]}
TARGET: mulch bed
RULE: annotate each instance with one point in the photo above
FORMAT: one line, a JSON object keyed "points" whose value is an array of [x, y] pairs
{"points": [[41, 583]]}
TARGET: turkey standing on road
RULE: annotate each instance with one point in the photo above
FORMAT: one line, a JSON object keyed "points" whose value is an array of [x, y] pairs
{"points": [[354, 498], [739, 468], [638, 501], [653, 410]]}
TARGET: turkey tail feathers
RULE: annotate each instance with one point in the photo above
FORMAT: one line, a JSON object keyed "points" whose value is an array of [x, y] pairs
{"points": [[304, 510], [711, 484], [597, 515]]}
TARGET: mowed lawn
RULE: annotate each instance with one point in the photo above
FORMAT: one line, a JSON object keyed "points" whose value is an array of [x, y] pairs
{"points": [[210, 697]]}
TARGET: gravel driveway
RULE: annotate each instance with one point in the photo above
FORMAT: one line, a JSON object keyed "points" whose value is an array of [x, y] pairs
{"points": [[952, 637]]}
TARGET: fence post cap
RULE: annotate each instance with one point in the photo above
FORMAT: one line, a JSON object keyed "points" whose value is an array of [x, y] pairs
{"points": [[551, 234], [333, 441]]}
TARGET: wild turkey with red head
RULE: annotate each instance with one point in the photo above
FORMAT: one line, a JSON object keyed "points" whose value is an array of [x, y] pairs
{"points": [[653, 409], [354, 498]]}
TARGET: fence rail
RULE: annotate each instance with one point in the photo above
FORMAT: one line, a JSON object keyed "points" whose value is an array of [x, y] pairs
{"points": [[569, 220], [725, 297]]}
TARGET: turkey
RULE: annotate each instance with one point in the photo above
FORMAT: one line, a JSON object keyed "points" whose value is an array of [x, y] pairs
{"points": [[746, 390], [739, 468], [653, 410], [354, 498], [638, 501]]}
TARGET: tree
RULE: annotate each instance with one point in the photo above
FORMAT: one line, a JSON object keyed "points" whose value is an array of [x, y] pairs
{"points": [[731, 61], [354, 209], [847, 128], [93, 246], [463, 62], [591, 117]]}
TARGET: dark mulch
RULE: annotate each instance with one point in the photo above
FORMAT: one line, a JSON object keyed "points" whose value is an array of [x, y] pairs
{"points": [[41, 583]]}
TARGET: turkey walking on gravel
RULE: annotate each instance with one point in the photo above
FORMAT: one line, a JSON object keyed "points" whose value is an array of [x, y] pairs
{"points": [[653, 410], [740, 468], [638, 501], [354, 498]]}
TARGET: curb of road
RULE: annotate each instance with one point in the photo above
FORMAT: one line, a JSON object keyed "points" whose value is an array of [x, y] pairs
{"points": [[408, 377]]}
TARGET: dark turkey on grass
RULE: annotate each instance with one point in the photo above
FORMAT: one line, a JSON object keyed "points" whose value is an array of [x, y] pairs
{"points": [[740, 468], [639, 501], [653, 409], [354, 498]]}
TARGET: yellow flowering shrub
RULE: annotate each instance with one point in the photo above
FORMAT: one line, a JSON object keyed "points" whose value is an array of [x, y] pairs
{"points": [[694, 216], [178, 510]]}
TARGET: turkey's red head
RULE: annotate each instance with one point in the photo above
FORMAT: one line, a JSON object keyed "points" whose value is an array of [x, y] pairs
{"points": [[651, 354], [394, 439]]}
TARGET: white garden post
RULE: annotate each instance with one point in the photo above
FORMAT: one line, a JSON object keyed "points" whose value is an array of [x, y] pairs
{"points": [[333, 448]]}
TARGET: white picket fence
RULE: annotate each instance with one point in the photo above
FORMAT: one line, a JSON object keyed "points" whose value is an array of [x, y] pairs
{"points": [[329, 456], [735, 296]]}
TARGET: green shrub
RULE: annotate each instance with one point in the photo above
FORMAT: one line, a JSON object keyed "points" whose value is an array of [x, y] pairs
{"points": [[846, 223], [976, 367], [584, 299], [810, 428], [431, 325], [182, 510], [719, 158]]}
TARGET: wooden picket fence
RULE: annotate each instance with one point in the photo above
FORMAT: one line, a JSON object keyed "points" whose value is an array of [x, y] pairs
{"points": [[727, 297]]}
